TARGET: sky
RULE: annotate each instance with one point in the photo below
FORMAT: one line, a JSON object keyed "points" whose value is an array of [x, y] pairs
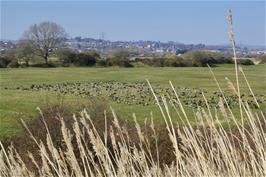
{"points": [[180, 21]]}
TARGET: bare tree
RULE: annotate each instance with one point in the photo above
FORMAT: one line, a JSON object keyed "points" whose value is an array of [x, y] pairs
{"points": [[44, 38]]}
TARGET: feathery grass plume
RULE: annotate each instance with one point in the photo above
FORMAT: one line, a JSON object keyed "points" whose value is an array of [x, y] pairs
{"points": [[232, 39]]}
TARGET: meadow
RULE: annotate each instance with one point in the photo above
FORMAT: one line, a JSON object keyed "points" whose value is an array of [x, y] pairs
{"points": [[20, 94]]}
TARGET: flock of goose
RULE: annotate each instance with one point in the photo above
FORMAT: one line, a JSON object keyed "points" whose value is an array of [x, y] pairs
{"points": [[140, 93]]}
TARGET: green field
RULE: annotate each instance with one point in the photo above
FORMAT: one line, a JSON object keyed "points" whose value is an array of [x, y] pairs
{"points": [[16, 104]]}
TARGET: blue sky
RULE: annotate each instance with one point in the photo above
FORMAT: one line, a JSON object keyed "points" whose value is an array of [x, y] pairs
{"points": [[181, 21]]}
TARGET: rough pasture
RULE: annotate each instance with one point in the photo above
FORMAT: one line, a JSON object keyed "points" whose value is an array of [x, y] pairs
{"points": [[22, 90], [139, 93]]}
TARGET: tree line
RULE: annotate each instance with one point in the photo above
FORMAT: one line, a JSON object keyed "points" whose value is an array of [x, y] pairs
{"points": [[68, 58], [45, 40]]}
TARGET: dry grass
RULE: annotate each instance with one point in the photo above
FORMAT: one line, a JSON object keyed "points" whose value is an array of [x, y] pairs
{"points": [[114, 149], [208, 150]]}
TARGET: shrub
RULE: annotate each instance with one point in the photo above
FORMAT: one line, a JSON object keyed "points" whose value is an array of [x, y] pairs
{"points": [[13, 64], [69, 57], [85, 59], [118, 62], [200, 58], [156, 62], [221, 58], [8, 60], [102, 63], [145, 61], [51, 113], [66, 56], [119, 58], [245, 62], [4, 61], [174, 61]]}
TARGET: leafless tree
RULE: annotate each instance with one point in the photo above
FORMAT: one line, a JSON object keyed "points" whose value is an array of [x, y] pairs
{"points": [[44, 38]]}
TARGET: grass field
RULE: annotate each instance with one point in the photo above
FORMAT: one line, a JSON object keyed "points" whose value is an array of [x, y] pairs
{"points": [[18, 104]]}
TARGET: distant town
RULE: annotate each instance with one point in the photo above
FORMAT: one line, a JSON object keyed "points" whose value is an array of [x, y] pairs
{"points": [[143, 48]]}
